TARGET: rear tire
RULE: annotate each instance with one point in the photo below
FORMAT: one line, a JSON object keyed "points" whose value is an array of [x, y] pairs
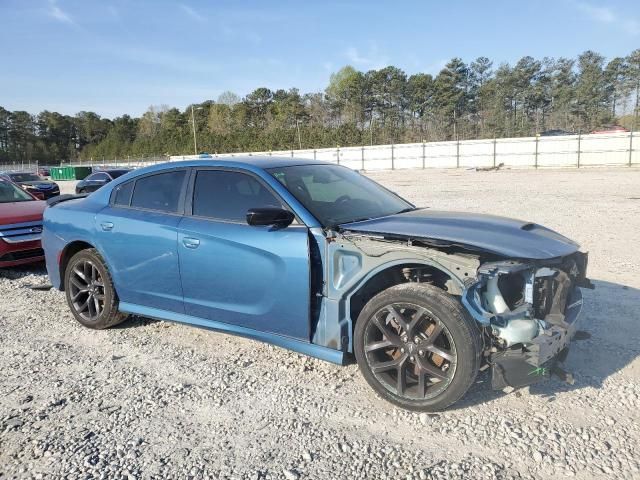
{"points": [[90, 292], [417, 347]]}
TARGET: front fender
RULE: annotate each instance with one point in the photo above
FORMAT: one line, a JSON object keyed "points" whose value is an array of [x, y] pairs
{"points": [[351, 263]]}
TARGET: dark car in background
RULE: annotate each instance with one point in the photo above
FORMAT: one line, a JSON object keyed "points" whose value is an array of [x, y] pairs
{"points": [[98, 179], [34, 184], [20, 226], [555, 133]]}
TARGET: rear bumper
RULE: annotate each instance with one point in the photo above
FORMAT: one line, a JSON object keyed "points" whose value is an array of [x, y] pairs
{"points": [[518, 367], [53, 247]]}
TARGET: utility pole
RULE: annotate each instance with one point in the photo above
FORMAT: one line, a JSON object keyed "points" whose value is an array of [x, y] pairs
{"points": [[371, 129], [299, 137], [455, 122], [195, 140]]}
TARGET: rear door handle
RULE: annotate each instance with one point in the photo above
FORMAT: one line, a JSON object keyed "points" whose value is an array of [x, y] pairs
{"points": [[191, 242], [106, 226]]}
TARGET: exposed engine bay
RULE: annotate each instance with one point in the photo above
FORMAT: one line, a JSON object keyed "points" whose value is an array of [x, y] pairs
{"points": [[527, 309], [531, 312]]}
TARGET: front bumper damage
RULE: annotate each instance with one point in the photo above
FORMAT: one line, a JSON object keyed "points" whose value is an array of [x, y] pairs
{"points": [[526, 342]]}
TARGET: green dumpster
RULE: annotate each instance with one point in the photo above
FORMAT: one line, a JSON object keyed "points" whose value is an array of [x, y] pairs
{"points": [[57, 173], [80, 173], [68, 173]]}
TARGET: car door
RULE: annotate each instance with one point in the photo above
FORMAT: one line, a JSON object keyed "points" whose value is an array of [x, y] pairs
{"points": [[137, 234], [251, 276]]}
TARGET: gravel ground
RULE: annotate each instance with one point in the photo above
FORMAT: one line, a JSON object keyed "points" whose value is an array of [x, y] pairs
{"points": [[152, 399]]}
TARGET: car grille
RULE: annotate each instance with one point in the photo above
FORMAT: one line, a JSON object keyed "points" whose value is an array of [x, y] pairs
{"points": [[22, 255], [21, 232]]}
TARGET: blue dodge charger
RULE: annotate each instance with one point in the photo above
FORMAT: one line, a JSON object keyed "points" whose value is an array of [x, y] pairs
{"points": [[318, 258]]}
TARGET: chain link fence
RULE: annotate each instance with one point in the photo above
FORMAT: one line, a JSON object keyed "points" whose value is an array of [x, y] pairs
{"points": [[622, 149], [95, 163], [528, 152]]}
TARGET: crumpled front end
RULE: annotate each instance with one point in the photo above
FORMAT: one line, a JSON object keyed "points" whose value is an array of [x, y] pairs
{"points": [[530, 312]]}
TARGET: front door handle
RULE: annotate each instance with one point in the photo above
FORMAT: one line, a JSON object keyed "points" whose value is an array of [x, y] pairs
{"points": [[191, 242], [106, 226]]}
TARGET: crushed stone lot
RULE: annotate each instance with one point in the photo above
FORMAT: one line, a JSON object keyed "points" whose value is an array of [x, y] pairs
{"points": [[151, 399]]}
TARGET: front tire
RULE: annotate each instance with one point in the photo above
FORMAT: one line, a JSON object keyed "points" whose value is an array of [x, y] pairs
{"points": [[89, 291], [417, 347]]}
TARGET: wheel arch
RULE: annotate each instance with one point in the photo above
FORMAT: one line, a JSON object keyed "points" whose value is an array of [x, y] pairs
{"points": [[389, 274], [67, 253]]}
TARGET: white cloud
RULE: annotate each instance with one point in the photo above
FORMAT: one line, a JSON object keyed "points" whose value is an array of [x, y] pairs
{"points": [[435, 67], [354, 56], [608, 16], [373, 59], [192, 13], [58, 14], [170, 61], [597, 13]]}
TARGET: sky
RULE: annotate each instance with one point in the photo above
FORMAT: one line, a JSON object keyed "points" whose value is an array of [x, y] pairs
{"points": [[116, 56]]}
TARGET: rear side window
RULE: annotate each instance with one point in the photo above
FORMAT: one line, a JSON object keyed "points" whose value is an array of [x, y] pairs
{"points": [[229, 195], [159, 192], [123, 194]]}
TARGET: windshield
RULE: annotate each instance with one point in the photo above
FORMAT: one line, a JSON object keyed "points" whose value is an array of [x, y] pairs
{"points": [[9, 193], [24, 177], [335, 194]]}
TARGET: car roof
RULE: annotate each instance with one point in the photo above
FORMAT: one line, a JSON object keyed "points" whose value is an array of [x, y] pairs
{"points": [[263, 162], [112, 170]]}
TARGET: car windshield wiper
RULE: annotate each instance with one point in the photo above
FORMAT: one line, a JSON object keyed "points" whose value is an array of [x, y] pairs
{"points": [[405, 210], [362, 219]]}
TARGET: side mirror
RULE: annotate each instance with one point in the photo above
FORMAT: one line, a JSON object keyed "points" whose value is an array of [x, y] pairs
{"points": [[269, 216]]}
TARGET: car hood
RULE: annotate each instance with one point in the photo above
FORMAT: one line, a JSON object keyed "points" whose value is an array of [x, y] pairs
{"points": [[499, 235], [21, 212]]}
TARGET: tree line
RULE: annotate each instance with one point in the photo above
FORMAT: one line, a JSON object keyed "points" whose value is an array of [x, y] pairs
{"points": [[463, 101]]}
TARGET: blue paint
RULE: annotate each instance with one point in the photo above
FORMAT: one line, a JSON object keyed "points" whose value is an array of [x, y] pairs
{"points": [[296, 345], [255, 277], [288, 286], [489, 233]]}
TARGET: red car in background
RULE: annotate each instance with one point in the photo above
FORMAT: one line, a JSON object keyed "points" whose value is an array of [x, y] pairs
{"points": [[20, 226], [611, 129]]}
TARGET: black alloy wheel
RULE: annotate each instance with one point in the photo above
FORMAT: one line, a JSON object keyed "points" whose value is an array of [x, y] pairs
{"points": [[90, 293], [86, 289], [410, 351], [417, 346]]}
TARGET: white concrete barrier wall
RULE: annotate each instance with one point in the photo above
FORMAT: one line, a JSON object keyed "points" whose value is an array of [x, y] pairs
{"points": [[524, 152]]}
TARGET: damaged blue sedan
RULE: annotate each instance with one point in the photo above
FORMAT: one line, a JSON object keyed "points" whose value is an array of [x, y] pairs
{"points": [[318, 258]]}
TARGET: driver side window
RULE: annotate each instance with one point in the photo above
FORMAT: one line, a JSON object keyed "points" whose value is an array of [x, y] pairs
{"points": [[225, 195]]}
